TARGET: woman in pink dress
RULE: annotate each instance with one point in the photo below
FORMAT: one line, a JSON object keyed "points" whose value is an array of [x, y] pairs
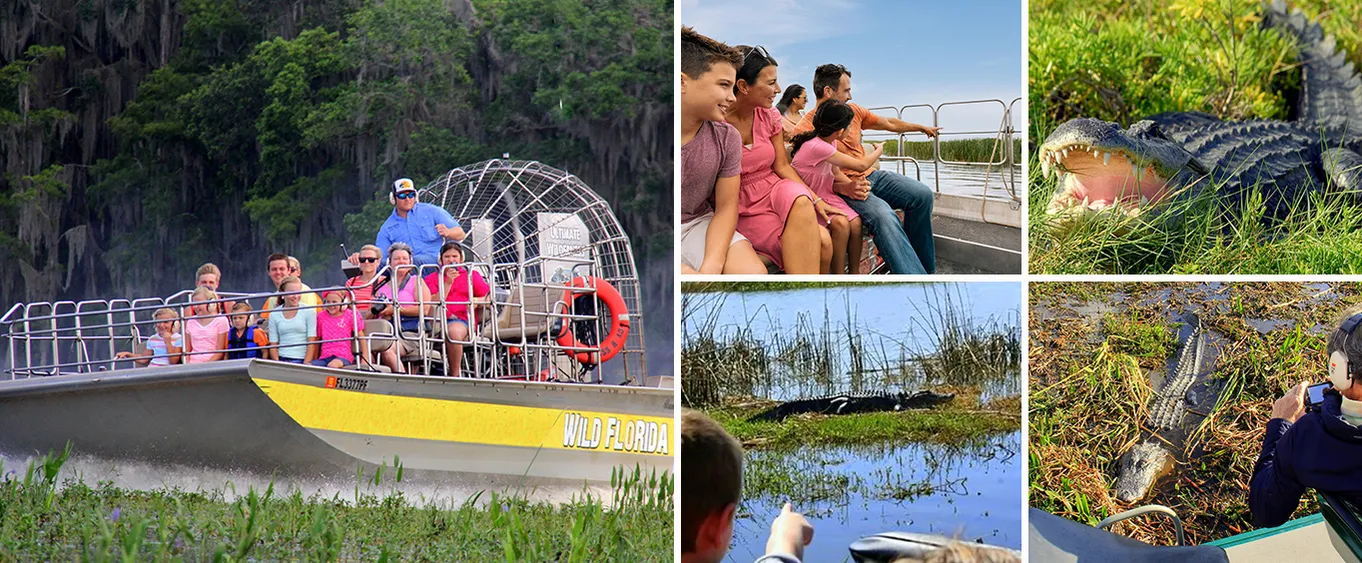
{"points": [[776, 211], [818, 162]]}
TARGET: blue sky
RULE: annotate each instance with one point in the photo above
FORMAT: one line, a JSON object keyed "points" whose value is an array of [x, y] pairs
{"points": [[900, 52]]}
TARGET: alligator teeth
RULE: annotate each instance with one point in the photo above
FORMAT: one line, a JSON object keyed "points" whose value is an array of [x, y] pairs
{"points": [[1044, 167], [1144, 201], [1106, 159]]}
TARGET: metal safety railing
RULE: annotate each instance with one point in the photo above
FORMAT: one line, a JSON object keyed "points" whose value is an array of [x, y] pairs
{"points": [[1003, 158], [512, 329]]}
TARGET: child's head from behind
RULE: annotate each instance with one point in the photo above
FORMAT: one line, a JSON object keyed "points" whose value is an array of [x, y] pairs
{"points": [[711, 459], [241, 315], [830, 122], [708, 73]]}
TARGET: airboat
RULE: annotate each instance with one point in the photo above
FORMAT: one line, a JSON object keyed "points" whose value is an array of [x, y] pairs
{"points": [[530, 401]]}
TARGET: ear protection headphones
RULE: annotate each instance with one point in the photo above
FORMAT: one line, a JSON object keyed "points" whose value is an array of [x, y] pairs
{"points": [[400, 185], [1341, 371]]}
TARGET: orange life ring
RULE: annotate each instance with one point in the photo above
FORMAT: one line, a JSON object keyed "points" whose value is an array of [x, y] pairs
{"points": [[617, 332]]}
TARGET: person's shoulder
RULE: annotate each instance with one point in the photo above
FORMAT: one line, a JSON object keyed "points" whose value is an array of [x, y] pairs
{"points": [[805, 122], [724, 132]]}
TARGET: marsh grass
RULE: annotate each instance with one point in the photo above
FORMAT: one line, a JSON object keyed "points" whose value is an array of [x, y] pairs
{"points": [[944, 345], [44, 520], [958, 150], [1088, 403], [1097, 59]]}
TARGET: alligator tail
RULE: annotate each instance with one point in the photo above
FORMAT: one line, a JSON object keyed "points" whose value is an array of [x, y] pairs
{"points": [[1331, 90]]}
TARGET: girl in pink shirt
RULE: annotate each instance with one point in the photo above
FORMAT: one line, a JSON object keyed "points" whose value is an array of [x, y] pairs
{"points": [[205, 338], [338, 322], [457, 282], [818, 162]]}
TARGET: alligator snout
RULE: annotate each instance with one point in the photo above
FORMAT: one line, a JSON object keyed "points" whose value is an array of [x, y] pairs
{"points": [[1139, 469]]}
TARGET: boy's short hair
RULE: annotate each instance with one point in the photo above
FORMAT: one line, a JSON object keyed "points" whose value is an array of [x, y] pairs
{"points": [[209, 268], [699, 53], [241, 307], [275, 258], [827, 76], [711, 459]]}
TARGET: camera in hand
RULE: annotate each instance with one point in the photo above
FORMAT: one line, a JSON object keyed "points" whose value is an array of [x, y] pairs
{"points": [[380, 302]]}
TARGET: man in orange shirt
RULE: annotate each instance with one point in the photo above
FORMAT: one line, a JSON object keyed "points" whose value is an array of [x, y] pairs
{"points": [[907, 246]]}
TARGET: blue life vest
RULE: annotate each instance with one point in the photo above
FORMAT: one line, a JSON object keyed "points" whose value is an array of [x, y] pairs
{"points": [[243, 347]]}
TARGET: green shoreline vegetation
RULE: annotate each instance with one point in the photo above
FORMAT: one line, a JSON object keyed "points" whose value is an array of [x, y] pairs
{"points": [[958, 150], [44, 520], [1096, 59], [1090, 384]]}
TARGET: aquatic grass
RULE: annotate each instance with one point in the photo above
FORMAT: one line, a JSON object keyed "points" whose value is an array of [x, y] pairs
{"points": [[958, 150], [947, 424], [104, 523], [1088, 408], [943, 345]]}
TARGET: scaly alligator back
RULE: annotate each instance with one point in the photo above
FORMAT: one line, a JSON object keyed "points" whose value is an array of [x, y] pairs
{"points": [[1169, 406]]}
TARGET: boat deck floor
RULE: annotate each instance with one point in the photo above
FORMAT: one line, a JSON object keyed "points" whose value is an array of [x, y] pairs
{"points": [[1310, 542]]}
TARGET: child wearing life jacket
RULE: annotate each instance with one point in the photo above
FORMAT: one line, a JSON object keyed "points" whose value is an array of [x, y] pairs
{"points": [[245, 340], [819, 164]]}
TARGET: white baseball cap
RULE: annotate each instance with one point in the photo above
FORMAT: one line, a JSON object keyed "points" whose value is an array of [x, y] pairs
{"points": [[403, 185]]}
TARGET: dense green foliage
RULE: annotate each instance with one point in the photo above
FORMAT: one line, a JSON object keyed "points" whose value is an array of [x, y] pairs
{"points": [[44, 520], [1121, 61], [143, 139]]}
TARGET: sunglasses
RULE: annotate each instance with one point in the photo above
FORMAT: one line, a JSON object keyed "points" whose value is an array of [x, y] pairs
{"points": [[759, 50], [367, 260], [406, 195]]}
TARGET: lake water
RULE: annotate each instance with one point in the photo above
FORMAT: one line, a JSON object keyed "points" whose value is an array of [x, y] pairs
{"points": [[896, 324], [967, 492], [965, 179]]}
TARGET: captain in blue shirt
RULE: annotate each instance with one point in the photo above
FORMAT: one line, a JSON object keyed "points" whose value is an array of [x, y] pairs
{"points": [[422, 225]]}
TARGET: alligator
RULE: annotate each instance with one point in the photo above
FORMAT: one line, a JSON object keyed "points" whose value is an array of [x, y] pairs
{"points": [[1144, 464], [1102, 168], [850, 403]]}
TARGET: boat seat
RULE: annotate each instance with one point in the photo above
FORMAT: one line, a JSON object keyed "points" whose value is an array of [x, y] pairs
{"points": [[1057, 540], [508, 328], [380, 335], [1345, 523]]}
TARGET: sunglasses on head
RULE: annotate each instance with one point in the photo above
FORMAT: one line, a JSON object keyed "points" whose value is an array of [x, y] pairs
{"points": [[367, 260], [759, 50], [406, 195]]}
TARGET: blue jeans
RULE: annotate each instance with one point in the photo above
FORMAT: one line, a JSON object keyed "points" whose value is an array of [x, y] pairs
{"points": [[907, 246]]}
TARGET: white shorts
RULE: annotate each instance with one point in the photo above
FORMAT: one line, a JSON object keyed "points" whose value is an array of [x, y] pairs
{"points": [[690, 245]]}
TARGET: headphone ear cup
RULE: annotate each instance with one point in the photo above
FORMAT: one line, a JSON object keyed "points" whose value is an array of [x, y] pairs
{"points": [[392, 199], [1338, 370]]}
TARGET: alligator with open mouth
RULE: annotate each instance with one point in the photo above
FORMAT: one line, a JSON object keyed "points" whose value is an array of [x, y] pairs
{"points": [[1102, 167], [850, 403], [1144, 464]]}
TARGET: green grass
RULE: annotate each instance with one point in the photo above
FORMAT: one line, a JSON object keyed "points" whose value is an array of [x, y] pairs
{"points": [[1088, 401], [42, 520], [761, 287], [963, 419], [1100, 59], [959, 150]]}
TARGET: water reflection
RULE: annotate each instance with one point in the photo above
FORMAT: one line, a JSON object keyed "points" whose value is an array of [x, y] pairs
{"points": [[971, 491]]}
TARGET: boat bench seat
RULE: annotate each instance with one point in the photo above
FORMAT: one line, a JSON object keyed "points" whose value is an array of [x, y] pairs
{"points": [[1058, 540], [1345, 522], [508, 329]]}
